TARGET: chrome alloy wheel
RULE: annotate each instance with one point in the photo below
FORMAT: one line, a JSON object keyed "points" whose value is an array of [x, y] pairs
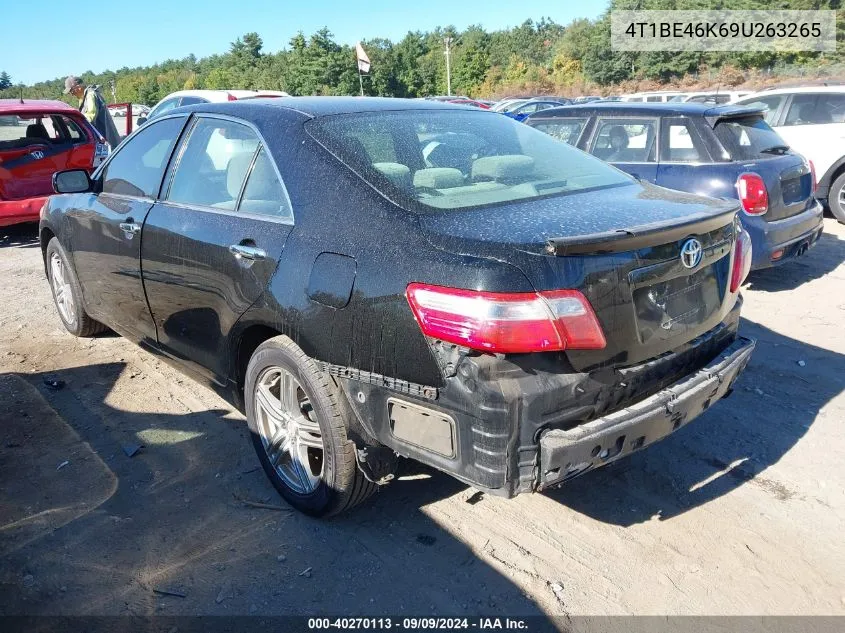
{"points": [[62, 290], [289, 430]]}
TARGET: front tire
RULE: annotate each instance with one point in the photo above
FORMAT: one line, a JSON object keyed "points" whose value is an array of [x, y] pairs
{"points": [[67, 293], [295, 416], [836, 198]]}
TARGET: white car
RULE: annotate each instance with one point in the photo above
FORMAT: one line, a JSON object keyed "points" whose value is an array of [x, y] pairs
{"points": [[717, 97], [190, 97], [659, 96], [811, 120]]}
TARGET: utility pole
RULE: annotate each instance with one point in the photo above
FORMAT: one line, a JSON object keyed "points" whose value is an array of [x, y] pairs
{"points": [[448, 53]]}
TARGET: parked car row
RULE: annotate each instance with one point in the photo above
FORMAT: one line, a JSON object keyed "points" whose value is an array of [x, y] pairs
{"points": [[458, 288]]}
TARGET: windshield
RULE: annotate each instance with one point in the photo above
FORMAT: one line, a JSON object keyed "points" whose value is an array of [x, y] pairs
{"points": [[749, 138], [453, 159]]}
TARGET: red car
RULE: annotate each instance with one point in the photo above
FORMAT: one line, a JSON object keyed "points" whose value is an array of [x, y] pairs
{"points": [[37, 139]]}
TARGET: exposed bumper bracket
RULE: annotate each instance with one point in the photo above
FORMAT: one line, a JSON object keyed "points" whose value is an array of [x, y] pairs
{"points": [[565, 454]]}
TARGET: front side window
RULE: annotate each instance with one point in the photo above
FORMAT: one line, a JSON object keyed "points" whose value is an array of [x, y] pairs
{"points": [[137, 168], [214, 164], [625, 141], [443, 159], [749, 138], [566, 130]]}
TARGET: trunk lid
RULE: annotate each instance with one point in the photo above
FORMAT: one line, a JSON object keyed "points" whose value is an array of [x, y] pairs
{"points": [[621, 247]]}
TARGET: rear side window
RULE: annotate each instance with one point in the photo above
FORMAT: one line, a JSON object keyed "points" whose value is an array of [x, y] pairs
{"points": [[625, 141], [769, 104], [163, 107], [263, 193], [214, 164], [816, 109], [566, 130], [680, 142], [749, 138], [137, 168]]}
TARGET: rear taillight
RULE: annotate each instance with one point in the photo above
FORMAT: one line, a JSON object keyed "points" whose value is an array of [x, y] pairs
{"points": [[742, 259], [813, 177], [752, 194], [231, 97], [507, 323]]}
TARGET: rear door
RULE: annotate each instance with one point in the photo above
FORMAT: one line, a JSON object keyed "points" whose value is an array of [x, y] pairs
{"points": [[35, 146], [212, 243], [629, 143], [685, 163], [814, 125], [106, 229]]}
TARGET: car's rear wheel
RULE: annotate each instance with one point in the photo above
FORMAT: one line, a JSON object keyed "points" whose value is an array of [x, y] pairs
{"points": [[836, 198], [67, 294], [295, 414]]}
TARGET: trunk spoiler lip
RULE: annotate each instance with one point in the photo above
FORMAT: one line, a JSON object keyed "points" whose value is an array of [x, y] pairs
{"points": [[637, 237]]}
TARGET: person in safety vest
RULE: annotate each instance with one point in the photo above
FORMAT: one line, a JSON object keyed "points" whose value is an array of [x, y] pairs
{"points": [[93, 106]]}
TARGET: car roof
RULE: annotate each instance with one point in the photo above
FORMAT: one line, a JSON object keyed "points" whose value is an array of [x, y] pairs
{"points": [[799, 90], [325, 106], [649, 109], [18, 106]]}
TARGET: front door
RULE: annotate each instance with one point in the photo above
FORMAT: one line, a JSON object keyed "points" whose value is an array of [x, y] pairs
{"points": [[106, 230], [211, 245], [628, 143]]}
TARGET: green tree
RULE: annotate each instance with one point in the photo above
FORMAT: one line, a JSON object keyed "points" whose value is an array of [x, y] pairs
{"points": [[5, 80]]}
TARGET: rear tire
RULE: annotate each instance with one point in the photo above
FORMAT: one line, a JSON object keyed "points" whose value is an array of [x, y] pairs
{"points": [[836, 198], [67, 293], [295, 416]]}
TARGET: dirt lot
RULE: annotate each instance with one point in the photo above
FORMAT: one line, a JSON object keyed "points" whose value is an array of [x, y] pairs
{"points": [[739, 513]]}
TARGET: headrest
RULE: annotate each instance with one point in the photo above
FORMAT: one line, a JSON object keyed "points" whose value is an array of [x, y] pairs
{"points": [[438, 178], [235, 172], [398, 174], [506, 167]]}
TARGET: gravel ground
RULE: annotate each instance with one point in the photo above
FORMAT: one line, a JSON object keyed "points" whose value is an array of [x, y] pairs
{"points": [[741, 512]]}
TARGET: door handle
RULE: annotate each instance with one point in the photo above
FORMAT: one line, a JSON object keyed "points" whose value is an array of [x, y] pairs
{"points": [[130, 228], [242, 251]]}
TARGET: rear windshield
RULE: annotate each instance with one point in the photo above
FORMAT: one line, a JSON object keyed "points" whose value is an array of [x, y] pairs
{"points": [[749, 138], [18, 131], [443, 159]]}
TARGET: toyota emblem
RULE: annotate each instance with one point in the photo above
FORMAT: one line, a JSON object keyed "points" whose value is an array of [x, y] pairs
{"points": [[691, 253]]}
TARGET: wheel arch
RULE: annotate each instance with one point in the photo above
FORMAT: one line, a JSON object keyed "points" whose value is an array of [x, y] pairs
{"points": [[833, 172], [246, 343], [45, 234]]}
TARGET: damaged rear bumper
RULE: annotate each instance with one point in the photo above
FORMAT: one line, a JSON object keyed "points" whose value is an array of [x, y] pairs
{"points": [[565, 454]]}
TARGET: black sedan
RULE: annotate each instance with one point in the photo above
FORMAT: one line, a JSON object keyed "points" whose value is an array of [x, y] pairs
{"points": [[374, 278]]}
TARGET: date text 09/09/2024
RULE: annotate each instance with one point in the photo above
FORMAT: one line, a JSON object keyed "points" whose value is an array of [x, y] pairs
{"points": [[415, 624]]}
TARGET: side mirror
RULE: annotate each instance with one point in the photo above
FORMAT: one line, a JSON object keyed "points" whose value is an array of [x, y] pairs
{"points": [[141, 120], [72, 181]]}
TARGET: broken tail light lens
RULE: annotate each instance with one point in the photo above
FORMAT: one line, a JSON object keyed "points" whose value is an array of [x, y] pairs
{"points": [[752, 194], [506, 323], [742, 259]]}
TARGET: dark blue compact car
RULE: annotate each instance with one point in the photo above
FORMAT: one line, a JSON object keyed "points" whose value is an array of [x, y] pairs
{"points": [[723, 152]]}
